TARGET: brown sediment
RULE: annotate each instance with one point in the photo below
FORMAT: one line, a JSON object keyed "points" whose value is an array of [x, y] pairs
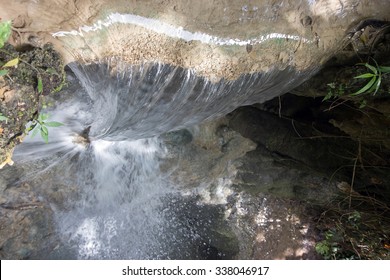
{"points": [[20, 98], [321, 25]]}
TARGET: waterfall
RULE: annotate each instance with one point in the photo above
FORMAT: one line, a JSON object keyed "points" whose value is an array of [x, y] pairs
{"points": [[133, 102], [106, 159], [133, 78]]}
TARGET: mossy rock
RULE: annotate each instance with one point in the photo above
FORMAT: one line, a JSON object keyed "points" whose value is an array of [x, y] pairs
{"points": [[20, 93]]}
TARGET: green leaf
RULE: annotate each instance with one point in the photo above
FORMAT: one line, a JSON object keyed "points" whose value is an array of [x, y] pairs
{"points": [[341, 90], [44, 129], [5, 32], [366, 87], [12, 62], [3, 72], [45, 135], [372, 68], [42, 117], [385, 69], [322, 248], [3, 118], [52, 71], [53, 124], [40, 85], [363, 104], [365, 76], [327, 97], [331, 85], [34, 131], [377, 84]]}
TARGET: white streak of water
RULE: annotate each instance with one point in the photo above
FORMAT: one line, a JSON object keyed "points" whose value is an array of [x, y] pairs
{"points": [[174, 31]]}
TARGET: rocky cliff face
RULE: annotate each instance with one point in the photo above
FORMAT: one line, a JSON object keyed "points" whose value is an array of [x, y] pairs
{"points": [[262, 49], [266, 172], [212, 38]]}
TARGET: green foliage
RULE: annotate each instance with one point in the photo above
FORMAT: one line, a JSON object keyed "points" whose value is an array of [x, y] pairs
{"points": [[341, 90], [329, 247], [323, 248], [334, 91], [41, 125], [40, 85], [41, 72], [5, 32], [354, 233], [12, 63], [3, 72], [354, 219], [375, 78]]}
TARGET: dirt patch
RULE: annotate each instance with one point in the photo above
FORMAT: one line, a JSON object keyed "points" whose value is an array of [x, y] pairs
{"points": [[20, 96], [221, 41]]}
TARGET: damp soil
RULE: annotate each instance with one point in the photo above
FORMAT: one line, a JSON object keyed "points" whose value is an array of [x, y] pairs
{"points": [[20, 95]]}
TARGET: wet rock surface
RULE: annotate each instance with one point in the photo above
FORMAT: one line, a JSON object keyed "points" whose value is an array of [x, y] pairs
{"points": [[215, 39], [252, 185], [317, 146], [26, 223], [260, 198], [256, 203], [264, 197]]}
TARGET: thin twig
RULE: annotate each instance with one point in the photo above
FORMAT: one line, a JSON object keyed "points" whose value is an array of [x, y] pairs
{"points": [[331, 107], [352, 182], [296, 131]]}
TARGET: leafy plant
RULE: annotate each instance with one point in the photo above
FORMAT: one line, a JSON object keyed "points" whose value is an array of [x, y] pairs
{"points": [[5, 32], [329, 247], [354, 219], [41, 125], [323, 248], [12, 63], [375, 78], [354, 233], [334, 91]]}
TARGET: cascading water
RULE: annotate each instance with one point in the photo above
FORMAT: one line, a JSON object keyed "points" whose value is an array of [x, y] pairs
{"points": [[105, 161], [132, 102], [119, 204], [113, 181], [100, 172]]}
